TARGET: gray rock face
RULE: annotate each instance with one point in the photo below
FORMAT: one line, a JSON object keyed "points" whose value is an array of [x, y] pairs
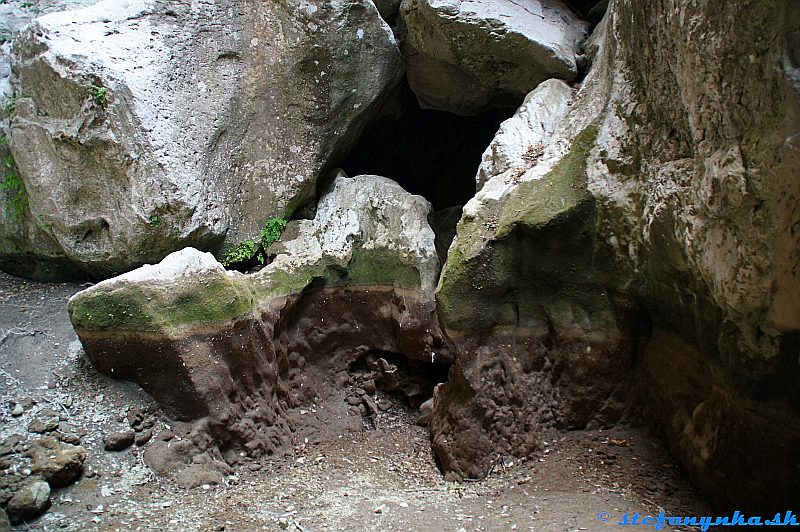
{"points": [[31, 500], [656, 203], [142, 127], [368, 226], [467, 56]]}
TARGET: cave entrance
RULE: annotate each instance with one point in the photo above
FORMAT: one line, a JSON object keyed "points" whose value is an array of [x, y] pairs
{"points": [[434, 154], [388, 382]]}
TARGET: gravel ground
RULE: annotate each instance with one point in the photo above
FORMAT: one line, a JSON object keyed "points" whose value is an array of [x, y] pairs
{"points": [[379, 477]]}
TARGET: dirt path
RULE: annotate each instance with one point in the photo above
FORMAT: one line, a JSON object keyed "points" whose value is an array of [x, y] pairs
{"points": [[381, 479]]}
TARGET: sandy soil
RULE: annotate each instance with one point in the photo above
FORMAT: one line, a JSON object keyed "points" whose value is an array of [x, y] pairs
{"points": [[380, 476]]}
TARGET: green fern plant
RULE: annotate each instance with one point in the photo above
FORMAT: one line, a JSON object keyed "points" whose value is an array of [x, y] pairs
{"points": [[272, 232], [99, 95], [249, 251], [243, 252]]}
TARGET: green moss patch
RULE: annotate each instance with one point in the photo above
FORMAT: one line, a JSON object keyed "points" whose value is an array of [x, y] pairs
{"points": [[159, 308], [537, 203]]}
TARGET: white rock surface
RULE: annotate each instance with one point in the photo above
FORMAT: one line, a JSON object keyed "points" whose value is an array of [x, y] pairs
{"points": [[467, 56], [523, 139], [182, 263], [367, 216]]}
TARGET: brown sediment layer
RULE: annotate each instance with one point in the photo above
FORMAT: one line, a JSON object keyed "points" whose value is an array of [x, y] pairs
{"points": [[239, 380], [512, 381]]}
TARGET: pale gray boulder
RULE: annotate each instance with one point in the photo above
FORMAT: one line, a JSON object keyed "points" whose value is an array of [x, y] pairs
{"points": [[467, 56], [142, 127], [522, 140]]}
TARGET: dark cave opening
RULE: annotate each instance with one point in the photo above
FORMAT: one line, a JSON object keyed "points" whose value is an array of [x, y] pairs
{"points": [[410, 382], [434, 154]]}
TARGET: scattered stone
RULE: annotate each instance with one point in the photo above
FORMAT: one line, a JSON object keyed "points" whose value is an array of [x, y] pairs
{"points": [[384, 404], [59, 464], [11, 445], [119, 441], [135, 418], [30, 501], [143, 437], [369, 404], [18, 410], [352, 400], [425, 413], [369, 386], [165, 435], [43, 425], [8, 485], [68, 437]]}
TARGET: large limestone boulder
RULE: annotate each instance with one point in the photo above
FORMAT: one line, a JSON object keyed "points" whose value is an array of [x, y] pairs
{"points": [[653, 234], [235, 353], [142, 127], [467, 56], [697, 178]]}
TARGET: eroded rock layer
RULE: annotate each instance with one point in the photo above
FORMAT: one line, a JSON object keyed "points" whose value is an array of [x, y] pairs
{"points": [[235, 354]]}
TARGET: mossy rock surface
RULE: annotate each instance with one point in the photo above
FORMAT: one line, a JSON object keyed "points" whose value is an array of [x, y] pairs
{"points": [[512, 256]]}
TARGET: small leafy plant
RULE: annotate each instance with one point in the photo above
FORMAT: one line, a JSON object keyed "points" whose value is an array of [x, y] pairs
{"points": [[242, 253], [272, 232], [10, 107], [99, 95], [249, 252], [155, 221]]}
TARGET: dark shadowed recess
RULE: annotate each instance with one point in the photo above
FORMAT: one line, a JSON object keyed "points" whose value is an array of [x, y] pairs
{"points": [[434, 154], [410, 381]]}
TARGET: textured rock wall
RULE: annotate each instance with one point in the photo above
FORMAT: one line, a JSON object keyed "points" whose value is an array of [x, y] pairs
{"points": [[678, 204], [700, 192]]}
